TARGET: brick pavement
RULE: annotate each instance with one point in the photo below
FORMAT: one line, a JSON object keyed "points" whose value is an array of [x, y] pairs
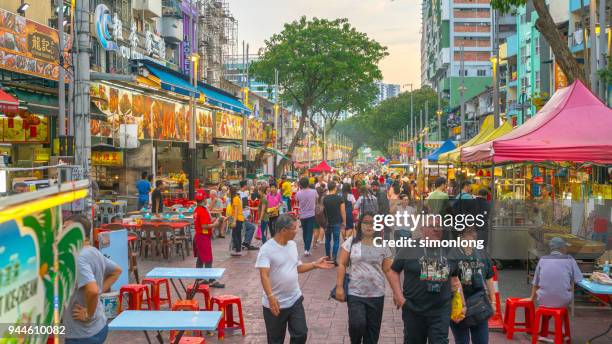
{"points": [[327, 319]]}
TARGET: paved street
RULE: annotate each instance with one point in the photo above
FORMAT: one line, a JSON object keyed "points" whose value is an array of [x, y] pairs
{"points": [[327, 319]]}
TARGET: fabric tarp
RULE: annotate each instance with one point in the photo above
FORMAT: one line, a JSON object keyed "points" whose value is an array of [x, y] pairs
{"points": [[470, 154], [573, 126], [321, 167], [447, 146], [454, 156], [172, 82], [276, 152]]}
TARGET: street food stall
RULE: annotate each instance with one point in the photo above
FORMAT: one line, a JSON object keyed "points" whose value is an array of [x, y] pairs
{"points": [[568, 141]]}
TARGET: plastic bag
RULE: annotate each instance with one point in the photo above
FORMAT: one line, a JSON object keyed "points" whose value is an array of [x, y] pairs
{"points": [[457, 306], [258, 233]]}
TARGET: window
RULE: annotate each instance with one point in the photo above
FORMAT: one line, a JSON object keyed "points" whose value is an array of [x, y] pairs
{"points": [[537, 45], [481, 72], [523, 55], [537, 80]]}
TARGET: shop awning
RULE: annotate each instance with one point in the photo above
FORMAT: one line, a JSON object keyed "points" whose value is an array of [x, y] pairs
{"points": [[173, 82], [574, 126], [321, 167], [454, 156], [47, 104], [447, 146], [472, 154], [8, 103], [277, 152], [222, 99]]}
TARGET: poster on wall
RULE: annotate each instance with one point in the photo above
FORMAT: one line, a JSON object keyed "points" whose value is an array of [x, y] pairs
{"points": [[156, 119], [228, 126], [31, 129], [255, 130], [29, 47], [27, 274]]}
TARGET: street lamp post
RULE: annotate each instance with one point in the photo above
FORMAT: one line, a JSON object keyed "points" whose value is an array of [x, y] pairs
{"points": [[192, 126], [495, 92]]}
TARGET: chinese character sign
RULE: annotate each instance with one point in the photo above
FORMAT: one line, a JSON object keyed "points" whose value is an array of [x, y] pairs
{"points": [[107, 158]]}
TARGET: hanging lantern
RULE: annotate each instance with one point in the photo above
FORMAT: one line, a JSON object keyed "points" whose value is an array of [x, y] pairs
{"points": [[11, 120]]}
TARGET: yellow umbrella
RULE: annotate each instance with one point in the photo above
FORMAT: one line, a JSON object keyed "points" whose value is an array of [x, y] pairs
{"points": [[454, 156]]}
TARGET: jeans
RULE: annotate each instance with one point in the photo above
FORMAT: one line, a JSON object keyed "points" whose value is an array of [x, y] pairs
{"points": [[421, 328], [249, 232], [142, 204], [237, 236], [287, 201], [294, 317], [332, 230], [307, 228], [478, 333], [98, 338], [364, 317], [272, 225], [264, 227]]}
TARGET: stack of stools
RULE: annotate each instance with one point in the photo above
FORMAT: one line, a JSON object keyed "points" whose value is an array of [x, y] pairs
{"points": [[225, 305], [205, 291], [562, 324], [187, 305], [156, 284], [510, 325], [135, 293]]}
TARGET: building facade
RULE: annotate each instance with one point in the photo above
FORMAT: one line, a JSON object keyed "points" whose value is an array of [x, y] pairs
{"points": [[386, 91]]}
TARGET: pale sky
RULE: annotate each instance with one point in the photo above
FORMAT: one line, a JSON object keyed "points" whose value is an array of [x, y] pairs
{"points": [[394, 23]]}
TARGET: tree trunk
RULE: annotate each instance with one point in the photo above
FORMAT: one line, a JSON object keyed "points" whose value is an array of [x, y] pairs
{"points": [[354, 152], [294, 140], [546, 25]]}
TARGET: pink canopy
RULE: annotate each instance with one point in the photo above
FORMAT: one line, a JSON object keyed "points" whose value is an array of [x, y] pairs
{"points": [[573, 126], [322, 167]]}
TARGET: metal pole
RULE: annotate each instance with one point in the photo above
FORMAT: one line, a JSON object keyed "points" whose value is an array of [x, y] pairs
{"points": [[439, 114], [275, 118], [495, 66], [420, 135], [82, 80], [593, 42], [193, 150], [426, 128], [462, 94], [245, 118], [603, 44], [61, 80]]}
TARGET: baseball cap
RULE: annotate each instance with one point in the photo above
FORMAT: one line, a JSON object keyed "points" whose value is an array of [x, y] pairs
{"points": [[557, 243]]}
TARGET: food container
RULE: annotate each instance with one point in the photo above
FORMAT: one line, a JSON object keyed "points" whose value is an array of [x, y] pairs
{"points": [[110, 302]]}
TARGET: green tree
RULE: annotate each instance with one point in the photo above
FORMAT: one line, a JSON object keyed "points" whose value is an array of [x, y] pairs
{"points": [[315, 60], [377, 125], [547, 27]]}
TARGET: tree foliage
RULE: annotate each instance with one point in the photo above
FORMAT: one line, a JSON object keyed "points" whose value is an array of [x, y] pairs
{"points": [[547, 27], [319, 59], [376, 126]]}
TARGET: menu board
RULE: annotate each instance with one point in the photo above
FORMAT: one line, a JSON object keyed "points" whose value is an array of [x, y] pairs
{"points": [[255, 130], [156, 119], [29, 47], [32, 129], [228, 126]]}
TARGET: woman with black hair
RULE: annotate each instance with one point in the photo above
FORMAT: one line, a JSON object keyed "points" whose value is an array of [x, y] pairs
{"points": [[394, 191], [366, 287]]}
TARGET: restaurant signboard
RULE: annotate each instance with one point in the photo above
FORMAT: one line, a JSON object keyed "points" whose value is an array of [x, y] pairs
{"points": [[29, 47], [228, 126]]}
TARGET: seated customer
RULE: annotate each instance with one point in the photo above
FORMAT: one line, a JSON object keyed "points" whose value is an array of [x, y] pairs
{"points": [[554, 277]]}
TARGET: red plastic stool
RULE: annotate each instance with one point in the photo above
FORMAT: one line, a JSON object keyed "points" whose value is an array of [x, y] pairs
{"points": [[135, 293], [192, 340], [205, 291], [156, 284], [510, 325], [225, 302], [562, 324], [185, 305]]}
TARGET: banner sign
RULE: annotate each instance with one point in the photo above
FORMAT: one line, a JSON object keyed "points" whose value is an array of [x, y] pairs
{"points": [[255, 130], [560, 78], [28, 267], [107, 158], [31, 129], [29, 47], [228, 126], [156, 118]]}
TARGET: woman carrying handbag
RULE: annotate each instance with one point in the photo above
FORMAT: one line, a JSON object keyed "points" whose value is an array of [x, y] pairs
{"points": [[476, 276], [366, 287]]}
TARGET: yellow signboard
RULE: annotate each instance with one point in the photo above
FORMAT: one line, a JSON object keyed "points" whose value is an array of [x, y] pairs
{"points": [[107, 158], [42, 154]]}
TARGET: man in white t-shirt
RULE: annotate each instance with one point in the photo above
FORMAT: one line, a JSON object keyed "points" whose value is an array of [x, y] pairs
{"points": [[279, 265]]}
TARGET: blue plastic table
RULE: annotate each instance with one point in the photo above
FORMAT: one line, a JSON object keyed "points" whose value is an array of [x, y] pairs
{"points": [[601, 289], [164, 321], [188, 273]]}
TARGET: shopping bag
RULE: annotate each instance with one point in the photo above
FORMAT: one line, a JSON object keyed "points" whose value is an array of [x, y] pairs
{"points": [[258, 233]]}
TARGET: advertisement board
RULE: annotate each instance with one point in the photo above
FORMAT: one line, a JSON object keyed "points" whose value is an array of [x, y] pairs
{"points": [[32, 129], [29, 47], [30, 232], [228, 126]]}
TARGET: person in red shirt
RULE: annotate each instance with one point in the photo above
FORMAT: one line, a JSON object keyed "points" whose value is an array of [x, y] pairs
{"points": [[202, 241]]}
